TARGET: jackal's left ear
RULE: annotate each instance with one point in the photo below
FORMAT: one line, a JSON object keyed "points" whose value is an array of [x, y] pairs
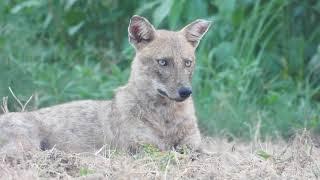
{"points": [[140, 31], [195, 31]]}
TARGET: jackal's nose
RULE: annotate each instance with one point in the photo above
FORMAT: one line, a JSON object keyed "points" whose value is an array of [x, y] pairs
{"points": [[185, 92]]}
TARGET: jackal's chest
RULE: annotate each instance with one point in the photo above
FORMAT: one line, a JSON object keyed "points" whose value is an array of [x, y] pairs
{"points": [[169, 124]]}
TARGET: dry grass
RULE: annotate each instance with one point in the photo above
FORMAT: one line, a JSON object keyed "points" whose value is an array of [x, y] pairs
{"points": [[297, 159]]}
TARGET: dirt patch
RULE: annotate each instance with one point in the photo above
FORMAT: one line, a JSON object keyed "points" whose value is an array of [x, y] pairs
{"points": [[297, 159]]}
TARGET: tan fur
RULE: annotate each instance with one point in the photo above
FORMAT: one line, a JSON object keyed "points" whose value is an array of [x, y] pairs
{"points": [[137, 115]]}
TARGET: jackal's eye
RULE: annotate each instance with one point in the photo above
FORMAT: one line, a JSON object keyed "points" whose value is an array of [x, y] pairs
{"points": [[187, 63], [162, 62]]}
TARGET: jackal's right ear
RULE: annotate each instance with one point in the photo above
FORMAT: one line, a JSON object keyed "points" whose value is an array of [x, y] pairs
{"points": [[140, 31]]}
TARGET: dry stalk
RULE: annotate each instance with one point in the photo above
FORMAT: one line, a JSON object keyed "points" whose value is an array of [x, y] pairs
{"points": [[4, 105], [22, 106]]}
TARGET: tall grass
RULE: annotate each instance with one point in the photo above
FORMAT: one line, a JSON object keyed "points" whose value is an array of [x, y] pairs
{"points": [[252, 67]]}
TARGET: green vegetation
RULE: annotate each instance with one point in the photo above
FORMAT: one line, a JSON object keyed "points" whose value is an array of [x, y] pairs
{"points": [[253, 71], [85, 171], [162, 158]]}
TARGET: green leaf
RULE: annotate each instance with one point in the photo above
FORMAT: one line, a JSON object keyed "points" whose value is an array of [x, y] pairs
{"points": [[175, 14], [85, 171], [226, 7], [223, 53], [26, 4], [162, 12], [69, 4], [147, 7], [48, 20], [263, 154], [74, 29]]}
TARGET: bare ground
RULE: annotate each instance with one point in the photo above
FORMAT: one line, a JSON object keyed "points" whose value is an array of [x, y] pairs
{"points": [[299, 158]]}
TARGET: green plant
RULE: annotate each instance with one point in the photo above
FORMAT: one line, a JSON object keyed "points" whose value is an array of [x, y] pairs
{"points": [[85, 171]]}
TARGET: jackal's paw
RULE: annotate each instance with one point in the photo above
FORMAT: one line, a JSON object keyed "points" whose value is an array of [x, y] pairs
{"points": [[183, 148], [134, 149]]}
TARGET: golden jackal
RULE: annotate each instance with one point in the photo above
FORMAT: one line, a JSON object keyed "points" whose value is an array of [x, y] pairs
{"points": [[154, 107]]}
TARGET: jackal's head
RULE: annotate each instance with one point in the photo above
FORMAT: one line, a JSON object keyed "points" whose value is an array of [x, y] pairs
{"points": [[164, 60]]}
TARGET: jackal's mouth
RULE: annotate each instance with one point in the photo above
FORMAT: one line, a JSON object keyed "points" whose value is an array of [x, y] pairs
{"points": [[164, 94]]}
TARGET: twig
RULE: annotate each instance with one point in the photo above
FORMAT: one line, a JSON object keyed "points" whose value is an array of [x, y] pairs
{"points": [[257, 132], [97, 152], [166, 170], [4, 105], [15, 97], [23, 106]]}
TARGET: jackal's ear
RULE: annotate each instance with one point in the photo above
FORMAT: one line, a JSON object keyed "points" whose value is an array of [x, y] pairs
{"points": [[195, 31], [140, 31]]}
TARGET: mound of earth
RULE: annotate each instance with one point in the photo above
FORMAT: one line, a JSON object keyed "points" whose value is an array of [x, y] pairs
{"points": [[297, 159]]}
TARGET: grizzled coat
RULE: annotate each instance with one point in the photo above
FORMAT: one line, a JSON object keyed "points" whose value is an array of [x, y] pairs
{"points": [[153, 107]]}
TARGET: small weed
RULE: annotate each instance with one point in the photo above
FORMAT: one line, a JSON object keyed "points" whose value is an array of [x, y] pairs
{"points": [[162, 158], [263, 154], [85, 171]]}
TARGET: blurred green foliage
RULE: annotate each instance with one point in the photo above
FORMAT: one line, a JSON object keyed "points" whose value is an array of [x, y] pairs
{"points": [[253, 70]]}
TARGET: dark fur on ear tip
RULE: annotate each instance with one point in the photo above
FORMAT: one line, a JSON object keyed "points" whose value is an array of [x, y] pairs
{"points": [[136, 17]]}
